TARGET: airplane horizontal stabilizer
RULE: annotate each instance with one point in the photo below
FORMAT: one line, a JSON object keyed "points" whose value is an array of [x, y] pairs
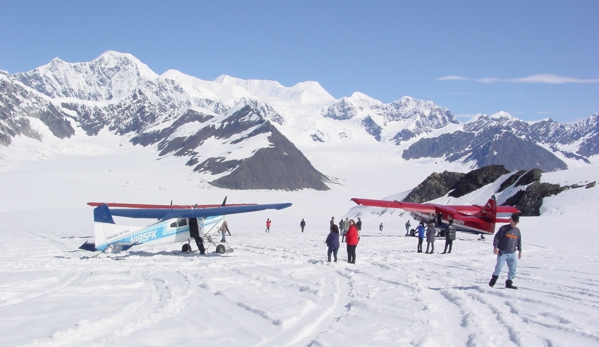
{"points": [[88, 246]]}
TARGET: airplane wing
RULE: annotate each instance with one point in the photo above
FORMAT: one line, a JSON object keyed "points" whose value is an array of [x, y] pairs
{"points": [[167, 213], [129, 205], [408, 206]]}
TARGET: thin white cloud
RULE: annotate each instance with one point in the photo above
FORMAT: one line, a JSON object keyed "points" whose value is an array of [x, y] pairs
{"points": [[541, 78]]}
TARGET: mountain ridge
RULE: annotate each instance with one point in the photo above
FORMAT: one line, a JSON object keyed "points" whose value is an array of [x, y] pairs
{"points": [[119, 92]]}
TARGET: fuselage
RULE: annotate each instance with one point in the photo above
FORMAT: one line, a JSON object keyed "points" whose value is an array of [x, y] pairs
{"points": [[168, 231]]}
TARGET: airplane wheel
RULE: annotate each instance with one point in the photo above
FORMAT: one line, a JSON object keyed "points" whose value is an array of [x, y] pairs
{"points": [[186, 248], [220, 249]]}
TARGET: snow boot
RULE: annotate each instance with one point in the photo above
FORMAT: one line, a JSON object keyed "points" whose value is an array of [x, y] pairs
{"points": [[493, 281], [510, 284]]}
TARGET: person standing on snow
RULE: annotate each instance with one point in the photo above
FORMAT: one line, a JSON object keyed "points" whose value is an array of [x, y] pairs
{"points": [[332, 223], [359, 225], [332, 242], [267, 226], [449, 236], [224, 228], [420, 229], [408, 225], [352, 239], [196, 230], [431, 231], [302, 225], [381, 229], [343, 226], [507, 240]]}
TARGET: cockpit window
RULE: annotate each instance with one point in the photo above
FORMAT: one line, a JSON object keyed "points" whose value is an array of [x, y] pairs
{"points": [[182, 222]]}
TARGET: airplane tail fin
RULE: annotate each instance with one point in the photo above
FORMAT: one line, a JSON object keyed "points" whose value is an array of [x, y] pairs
{"points": [[489, 213], [102, 217], [102, 221]]}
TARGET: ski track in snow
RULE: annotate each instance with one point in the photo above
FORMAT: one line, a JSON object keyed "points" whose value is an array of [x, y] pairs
{"points": [[278, 290]]}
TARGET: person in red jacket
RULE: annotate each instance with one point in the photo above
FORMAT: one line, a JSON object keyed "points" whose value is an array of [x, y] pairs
{"points": [[352, 237]]}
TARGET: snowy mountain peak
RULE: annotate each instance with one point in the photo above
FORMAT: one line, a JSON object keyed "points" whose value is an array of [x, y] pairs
{"points": [[503, 116], [363, 98], [304, 93], [111, 76]]}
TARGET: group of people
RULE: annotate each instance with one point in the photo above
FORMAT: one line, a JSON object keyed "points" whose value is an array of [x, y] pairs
{"points": [[430, 232], [506, 242], [350, 232]]}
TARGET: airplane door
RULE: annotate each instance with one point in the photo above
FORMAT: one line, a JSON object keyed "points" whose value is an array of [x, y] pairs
{"points": [[182, 229]]}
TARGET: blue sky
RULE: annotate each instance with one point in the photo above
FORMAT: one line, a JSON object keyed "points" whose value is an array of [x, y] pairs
{"points": [[533, 59]]}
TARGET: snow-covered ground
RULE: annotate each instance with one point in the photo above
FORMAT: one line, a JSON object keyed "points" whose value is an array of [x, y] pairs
{"points": [[277, 289]]}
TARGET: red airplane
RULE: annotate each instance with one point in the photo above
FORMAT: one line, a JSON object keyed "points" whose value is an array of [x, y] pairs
{"points": [[467, 218]]}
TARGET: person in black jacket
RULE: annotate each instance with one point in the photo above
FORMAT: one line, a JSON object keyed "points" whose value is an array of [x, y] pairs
{"points": [[302, 225], [430, 236], [194, 231], [507, 240], [449, 236]]}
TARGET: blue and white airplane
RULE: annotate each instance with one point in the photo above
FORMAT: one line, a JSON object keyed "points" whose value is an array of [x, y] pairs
{"points": [[176, 223]]}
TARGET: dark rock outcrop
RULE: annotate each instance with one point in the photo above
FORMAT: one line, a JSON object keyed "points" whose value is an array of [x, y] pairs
{"points": [[510, 180], [529, 201], [434, 186], [476, 179], [529, 177], [372, 128], [488, 147], [281, 166]]}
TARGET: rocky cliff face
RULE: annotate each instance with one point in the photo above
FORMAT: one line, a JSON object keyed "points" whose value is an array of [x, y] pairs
{"points": [[526, 194], [502, 140]]}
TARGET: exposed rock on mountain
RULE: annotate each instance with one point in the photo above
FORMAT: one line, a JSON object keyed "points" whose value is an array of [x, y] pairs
{"points": [[276, 164], [111, 76], [528, 199], [281, 166], [484, 147], [434, 186], [503, 139], [477, 179], [21, 107], [380, 120]]}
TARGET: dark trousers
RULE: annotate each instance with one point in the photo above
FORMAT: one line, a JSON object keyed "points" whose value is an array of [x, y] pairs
{"points": [[333, 251], [432, 244], [200, 244], [420, 239], [448, 243], [351, 254]]}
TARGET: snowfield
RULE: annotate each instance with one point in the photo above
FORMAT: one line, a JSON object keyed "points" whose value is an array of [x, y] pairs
{"points": [[277, 289]]}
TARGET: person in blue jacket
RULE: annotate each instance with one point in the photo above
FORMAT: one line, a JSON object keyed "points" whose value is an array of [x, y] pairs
{"points": [[333, 242], [420, 229]]}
